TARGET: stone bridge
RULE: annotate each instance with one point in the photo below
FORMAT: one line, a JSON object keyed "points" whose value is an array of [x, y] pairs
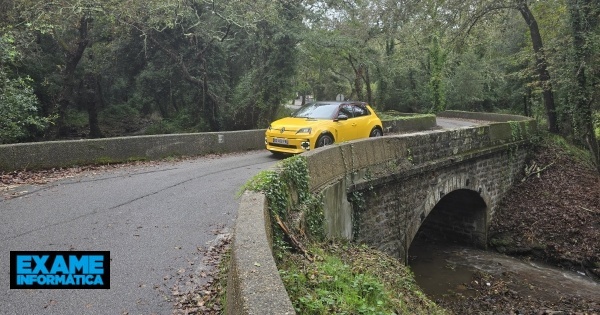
{"points": [[451, 180], [443, 182], [382, 191]]}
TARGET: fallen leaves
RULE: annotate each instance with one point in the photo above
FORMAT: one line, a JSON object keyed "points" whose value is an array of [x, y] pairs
{"points": [[556, 215], [198, 288], [11, 181]]}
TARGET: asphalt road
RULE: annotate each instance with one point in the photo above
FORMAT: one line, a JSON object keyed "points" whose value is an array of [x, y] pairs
{"points": [[152, 219]]}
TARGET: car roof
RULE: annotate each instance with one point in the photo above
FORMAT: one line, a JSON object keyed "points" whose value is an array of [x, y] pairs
{"points": [[336, 103]]}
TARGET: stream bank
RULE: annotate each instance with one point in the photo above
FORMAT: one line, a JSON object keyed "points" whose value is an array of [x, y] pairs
{"points": [[551, 217]]}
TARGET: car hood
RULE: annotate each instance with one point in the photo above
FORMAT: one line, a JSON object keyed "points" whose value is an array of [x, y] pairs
{"points": [[294, 124]]}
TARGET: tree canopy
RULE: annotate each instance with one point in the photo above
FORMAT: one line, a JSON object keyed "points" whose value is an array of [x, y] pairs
{"points": [[80, 68]]}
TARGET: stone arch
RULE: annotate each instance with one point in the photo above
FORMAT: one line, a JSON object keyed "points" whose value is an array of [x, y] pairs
{"points": [[460, 216]]}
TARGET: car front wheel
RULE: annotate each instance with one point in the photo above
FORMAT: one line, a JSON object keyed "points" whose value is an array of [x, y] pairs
{"points": [[376, 132], [323, 141]]}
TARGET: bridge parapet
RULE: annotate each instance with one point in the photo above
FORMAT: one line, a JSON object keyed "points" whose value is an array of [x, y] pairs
{"points": [[335, 162]]}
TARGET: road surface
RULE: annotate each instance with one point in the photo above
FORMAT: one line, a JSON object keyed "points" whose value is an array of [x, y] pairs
{"points": [[152, 220]]}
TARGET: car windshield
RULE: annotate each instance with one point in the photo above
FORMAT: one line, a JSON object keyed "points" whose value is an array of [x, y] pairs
{"points": [[317, 111]]}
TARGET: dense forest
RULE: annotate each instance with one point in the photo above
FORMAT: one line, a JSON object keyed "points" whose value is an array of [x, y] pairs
{"points": [[86, 69]]}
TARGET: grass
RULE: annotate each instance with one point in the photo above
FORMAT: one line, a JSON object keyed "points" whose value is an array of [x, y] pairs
{"points": [[394, 115], [579, 153], [347, 278]]}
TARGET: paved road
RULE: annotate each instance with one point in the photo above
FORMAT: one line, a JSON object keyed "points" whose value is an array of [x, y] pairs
{"points": [[152, 220], [448, 123]]}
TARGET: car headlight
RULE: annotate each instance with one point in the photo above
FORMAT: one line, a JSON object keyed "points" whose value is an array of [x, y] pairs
{"points": [[304, 130]]}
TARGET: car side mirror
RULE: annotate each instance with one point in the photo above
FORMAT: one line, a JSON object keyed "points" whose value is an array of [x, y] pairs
{"points": [[341, 117]]}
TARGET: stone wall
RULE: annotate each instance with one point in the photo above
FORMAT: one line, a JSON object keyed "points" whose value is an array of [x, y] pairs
{"points": [[394, 210], [253, 284], [51, 154]]}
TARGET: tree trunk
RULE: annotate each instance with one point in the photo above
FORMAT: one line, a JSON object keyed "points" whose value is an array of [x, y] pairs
{"points": [[582, 22], [358, 77], [90, 98], [541, 66], [73, 56], [368, 85]]}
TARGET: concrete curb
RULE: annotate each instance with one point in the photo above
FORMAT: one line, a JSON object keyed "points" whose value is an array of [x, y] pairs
{"points": [[254, 285]]}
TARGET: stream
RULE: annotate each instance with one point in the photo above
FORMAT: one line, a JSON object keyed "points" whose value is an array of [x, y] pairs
{"points": [[445, 270]]}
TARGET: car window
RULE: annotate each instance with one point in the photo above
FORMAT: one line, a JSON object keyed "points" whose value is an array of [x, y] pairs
{"points": [[317, 111], [360, 111], [346, 109]]}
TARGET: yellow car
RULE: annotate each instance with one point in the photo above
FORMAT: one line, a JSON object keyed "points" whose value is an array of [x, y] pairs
{"points": [[322, 123]]}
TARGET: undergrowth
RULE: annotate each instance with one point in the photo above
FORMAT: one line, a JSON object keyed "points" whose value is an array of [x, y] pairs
{"points": [[580, 154], [347, 278]]}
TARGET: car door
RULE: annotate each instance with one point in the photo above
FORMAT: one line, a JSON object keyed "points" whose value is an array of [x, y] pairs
{"points": [[345, 127], [360, 121]]}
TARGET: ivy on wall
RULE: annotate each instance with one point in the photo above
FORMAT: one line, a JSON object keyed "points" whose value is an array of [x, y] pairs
{"points": [[296, 214]]}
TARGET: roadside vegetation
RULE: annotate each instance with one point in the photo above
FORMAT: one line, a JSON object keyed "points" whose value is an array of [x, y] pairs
{"points": [[346, 278], [327, 276]]}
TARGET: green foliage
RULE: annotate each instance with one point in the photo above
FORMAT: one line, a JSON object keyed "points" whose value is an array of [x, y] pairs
{"points": [[76, 118], [352, 279], [393, 115], [332, 287], [437, 61], [118, 113], [208, 66], [19, 113], [179, 60], [269, 182], [163, 126], [575, 151], [19, 117], [597, 124], [288, 196], [295, 173], [518, 130]]}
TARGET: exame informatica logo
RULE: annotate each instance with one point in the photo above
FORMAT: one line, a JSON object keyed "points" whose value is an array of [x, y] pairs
{"points": [[60, 270]]}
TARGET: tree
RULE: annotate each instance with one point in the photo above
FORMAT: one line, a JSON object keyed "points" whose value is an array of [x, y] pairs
{"points": [[485, 8], [19, 117], [347, 32], [585, 26], [541, 65]]}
